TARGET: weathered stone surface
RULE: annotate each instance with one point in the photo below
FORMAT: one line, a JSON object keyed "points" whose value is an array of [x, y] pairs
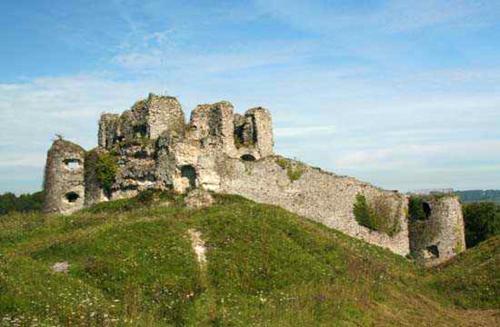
{"points": [[213, 127], [164, 113], [198, 198], [147, 118], [221, 151], [253, 134], [316, 194], [108, 130], [64, 178], [441, 236]]}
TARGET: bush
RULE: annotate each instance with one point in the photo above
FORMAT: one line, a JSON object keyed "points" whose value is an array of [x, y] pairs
{"points": [[106, 168], [294, 171], [362, 212], [416, 208], [377, 216], [482, 221]]}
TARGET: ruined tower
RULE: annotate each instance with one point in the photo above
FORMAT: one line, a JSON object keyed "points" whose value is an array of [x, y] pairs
{"points": [[64, 178], [437, 234], [254, 134], [147, 119]]}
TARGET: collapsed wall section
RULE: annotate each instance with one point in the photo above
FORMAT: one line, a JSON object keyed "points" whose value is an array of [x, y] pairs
{"points": [[147, 119], [164, 113], [315, 194], [109, 129], [253, 134], [212, 126], [436, 228], [64, 178]]}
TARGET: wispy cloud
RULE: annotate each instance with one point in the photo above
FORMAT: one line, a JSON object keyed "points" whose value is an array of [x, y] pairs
{"points": [[288, 132], [388, 16]]}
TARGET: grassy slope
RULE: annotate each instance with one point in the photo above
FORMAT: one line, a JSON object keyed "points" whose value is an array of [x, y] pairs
{"points": [[266, 266]]}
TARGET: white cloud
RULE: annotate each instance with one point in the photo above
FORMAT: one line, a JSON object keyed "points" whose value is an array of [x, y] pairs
{"points": [[286, 132], [421, 156]]}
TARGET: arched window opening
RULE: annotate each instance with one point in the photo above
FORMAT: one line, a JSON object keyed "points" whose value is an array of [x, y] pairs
{"points": [[247, 157], [72, 197], [189, 172]]}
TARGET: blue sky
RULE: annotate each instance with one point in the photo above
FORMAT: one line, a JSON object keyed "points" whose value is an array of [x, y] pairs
{"points": [[403, 94]]}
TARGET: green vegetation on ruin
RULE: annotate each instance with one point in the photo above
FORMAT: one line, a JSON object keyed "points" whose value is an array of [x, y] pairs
{"points": [[131, 264], [376, 215], [105, 167], [416, 209], [294, 170]]}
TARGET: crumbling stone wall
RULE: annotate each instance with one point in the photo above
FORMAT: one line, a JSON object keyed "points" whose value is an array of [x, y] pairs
{"points": [[147, 119], [439, 235], [64, 178], [315, 194], [253, 134], [163, 113], [136, 169], [210, 136], [212, 125]]}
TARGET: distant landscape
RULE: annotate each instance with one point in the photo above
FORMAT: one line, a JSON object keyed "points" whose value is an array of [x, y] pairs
{"points": [[479, 195]]}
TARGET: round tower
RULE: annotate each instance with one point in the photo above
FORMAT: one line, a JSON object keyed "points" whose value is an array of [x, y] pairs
{"points": [[436, 228], [64, 178]]}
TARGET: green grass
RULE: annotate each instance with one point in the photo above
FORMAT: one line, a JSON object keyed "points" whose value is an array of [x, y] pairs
{"points": [[131, 263], [472, 279]]}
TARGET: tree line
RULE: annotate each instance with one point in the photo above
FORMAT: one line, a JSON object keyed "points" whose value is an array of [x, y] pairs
{"points": [[9, 202]]}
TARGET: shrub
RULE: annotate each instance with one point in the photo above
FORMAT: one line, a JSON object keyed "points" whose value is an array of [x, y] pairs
{"points": [[294, 171], [362, 212], [416, 208], [106, 168], [482, 221], [377, 216]]}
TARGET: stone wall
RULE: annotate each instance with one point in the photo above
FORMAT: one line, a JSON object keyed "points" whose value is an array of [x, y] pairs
{"points": [[147, 119], [315, 194], [163, 113], [109, 127], [253, 134], [64, 178], [213, 127], [440, 236]]}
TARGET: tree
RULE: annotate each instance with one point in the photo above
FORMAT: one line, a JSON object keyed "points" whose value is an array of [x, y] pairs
{"points": [[482, 221]]}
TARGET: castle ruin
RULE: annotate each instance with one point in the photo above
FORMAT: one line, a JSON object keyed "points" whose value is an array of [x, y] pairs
{"points": [[151, 147]]}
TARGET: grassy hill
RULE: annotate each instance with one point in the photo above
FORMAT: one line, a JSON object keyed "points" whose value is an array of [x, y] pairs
{"points": [[132, 263]]}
